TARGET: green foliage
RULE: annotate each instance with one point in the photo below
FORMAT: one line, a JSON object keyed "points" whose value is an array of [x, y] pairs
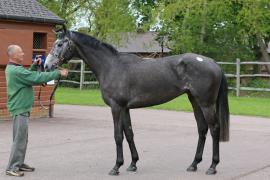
{"points": [[112, 17], [65, 9], [222, 29], [143, 12], [106, 19], [254, 18], [259, 83]]}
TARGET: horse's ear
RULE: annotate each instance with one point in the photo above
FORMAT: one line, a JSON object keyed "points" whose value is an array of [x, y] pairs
{"points": [[54, 31], [57, 29]]}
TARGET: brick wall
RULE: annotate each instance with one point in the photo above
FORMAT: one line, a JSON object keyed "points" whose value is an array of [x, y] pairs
{"points": [[37, 110], [3, 96], [21, 33]]}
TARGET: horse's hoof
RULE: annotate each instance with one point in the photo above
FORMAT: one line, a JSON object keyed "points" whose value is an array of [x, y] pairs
{"points": [[132, 168], [114, 172], [192, 168], [211, 171]]}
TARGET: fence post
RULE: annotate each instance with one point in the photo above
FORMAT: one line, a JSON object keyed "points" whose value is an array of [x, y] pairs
{"points": [[82, 75], [237, 77]]}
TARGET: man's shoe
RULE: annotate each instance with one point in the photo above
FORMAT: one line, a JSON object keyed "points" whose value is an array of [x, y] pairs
{"points": [[16, 173], [26, 168]]}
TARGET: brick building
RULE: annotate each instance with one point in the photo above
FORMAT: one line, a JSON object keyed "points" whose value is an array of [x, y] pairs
{"points": [[28, 24]]}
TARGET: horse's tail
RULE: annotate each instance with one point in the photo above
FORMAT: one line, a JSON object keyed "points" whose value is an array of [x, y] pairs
{"points": [[222, 109]]}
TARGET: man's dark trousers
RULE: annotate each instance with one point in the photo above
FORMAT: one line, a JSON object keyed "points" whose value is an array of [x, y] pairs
{"points": [[20, 140]]}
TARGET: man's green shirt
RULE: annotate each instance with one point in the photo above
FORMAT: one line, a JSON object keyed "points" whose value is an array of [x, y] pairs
{"points": [[19, 86]]}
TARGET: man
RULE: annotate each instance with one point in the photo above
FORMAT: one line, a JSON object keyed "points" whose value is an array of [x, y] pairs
{"points": [[20, 100]]}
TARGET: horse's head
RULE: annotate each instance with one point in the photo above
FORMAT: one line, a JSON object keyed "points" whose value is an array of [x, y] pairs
{"points": [[62, 51]]}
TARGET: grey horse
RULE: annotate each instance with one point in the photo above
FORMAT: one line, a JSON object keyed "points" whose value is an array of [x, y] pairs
{"points": [[128, 81]]}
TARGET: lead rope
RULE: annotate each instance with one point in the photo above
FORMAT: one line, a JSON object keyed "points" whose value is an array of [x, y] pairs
{"points": [[39, 99], [52, 94], [39, 93]]}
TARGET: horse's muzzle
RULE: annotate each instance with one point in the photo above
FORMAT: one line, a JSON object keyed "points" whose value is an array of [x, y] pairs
{"points": [[51, 68]]}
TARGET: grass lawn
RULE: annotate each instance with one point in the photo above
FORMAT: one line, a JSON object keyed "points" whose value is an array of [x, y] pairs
{"points": [[238, 105]]}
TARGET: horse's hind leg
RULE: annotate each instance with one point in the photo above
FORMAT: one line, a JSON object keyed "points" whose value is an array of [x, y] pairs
{"points": [[130, 139], [118, 136], [202, 130], [212, 121]]}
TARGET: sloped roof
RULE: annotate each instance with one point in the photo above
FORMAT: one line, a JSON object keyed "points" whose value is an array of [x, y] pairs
{"points": [[140, 43], [27, 10]]}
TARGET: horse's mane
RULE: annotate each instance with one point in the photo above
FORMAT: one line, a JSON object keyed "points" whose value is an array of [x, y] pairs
{"points": [[93, 42]]}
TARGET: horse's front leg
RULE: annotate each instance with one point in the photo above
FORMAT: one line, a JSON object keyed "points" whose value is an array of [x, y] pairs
{"points": [[118, 136], [130, 139]]}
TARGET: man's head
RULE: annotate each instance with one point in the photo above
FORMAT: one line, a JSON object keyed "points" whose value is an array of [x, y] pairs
{"points": [[15, 53]]}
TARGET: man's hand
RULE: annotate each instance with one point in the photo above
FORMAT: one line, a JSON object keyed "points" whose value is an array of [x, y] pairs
{"points": [[63, 72], [38, 60]]}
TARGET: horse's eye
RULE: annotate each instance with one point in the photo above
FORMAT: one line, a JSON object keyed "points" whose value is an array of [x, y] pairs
{"points": [[59, 45]]}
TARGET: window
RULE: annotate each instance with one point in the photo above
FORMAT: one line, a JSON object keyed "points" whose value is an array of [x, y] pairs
{"points": [[39, 41]]}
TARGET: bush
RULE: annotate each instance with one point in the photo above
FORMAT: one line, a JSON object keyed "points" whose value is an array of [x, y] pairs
{"points": [[259, 83]]}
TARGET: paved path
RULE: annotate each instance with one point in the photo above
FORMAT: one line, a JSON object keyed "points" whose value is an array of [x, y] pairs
{"points": [[78, 144]]}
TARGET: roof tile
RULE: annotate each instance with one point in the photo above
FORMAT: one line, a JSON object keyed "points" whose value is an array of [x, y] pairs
{"points": [[27, 10]]}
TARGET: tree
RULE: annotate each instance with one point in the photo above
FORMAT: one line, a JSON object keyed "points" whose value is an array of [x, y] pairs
{"points": [[216, 28], [143, 12], [111, 18], [254, 18], [221, 29], [199, 26], [66, 9], [106, 19]]}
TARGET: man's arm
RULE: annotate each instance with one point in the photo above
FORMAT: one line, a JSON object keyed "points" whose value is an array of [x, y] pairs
{"points": [[30, 78], [33, 67]]}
